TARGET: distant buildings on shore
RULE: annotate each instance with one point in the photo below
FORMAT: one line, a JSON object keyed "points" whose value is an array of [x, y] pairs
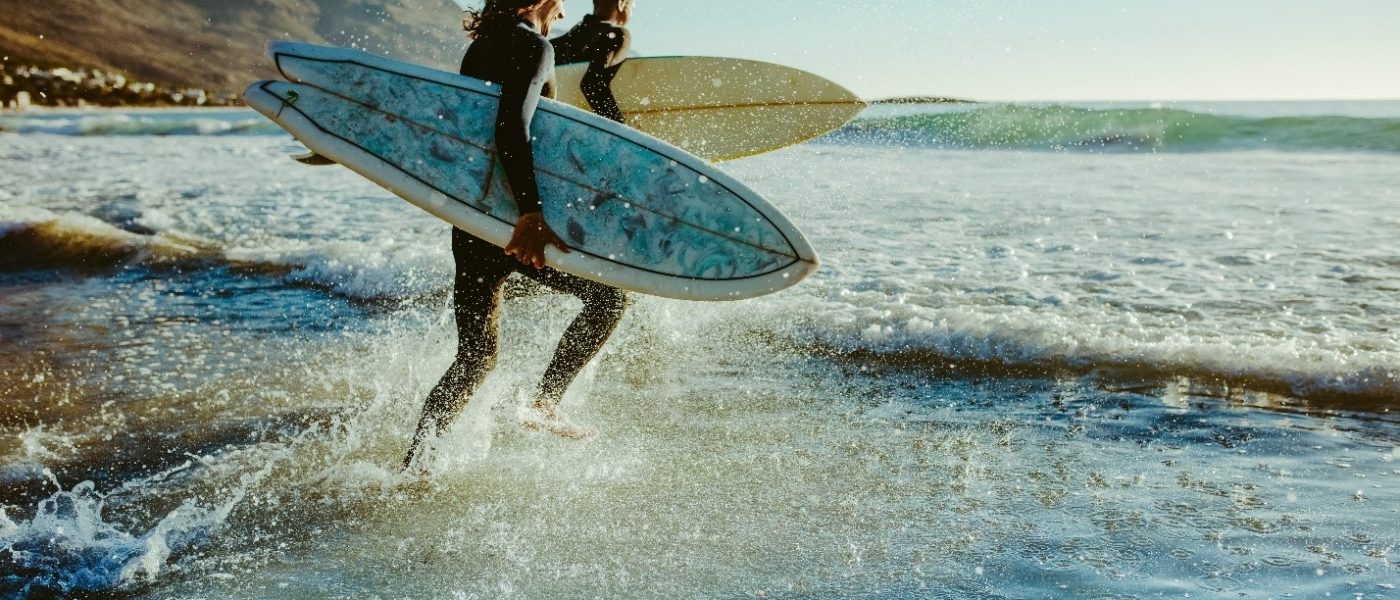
{"points": [[923, 100], [26, 86]]}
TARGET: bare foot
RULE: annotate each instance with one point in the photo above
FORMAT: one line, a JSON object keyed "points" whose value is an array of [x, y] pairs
{"points": [[546, 417]]}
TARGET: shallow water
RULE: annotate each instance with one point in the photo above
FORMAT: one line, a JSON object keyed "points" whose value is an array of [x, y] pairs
{"points": [[1021, 373]]}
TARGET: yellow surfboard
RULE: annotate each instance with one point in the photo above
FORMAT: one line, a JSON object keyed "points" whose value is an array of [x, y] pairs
{"points": [[720, 108]]}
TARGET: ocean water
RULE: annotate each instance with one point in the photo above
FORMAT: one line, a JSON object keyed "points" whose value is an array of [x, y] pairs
{"points": [[1085, 351]]}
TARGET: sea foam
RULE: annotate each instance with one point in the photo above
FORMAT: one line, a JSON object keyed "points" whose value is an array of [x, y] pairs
{"points": [[100, 124]]}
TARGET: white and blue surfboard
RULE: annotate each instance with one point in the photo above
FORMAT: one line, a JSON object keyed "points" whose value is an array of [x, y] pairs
{"points": [[638, 213]]}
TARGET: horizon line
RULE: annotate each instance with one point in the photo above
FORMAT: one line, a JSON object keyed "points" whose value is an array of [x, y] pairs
{"points": [[972, 100]]}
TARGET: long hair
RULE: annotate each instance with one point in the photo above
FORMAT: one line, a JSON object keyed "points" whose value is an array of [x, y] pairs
{"points": [[494, 13]]}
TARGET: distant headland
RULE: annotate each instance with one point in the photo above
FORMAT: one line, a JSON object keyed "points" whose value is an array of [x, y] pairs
{"points": [[923, 100]]}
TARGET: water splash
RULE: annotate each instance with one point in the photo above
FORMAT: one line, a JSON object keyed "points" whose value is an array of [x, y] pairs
{"points": [[71, 546]]}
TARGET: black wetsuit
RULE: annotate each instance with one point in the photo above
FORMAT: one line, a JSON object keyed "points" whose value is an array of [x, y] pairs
{"points": [[604, 47], [521, 62]]}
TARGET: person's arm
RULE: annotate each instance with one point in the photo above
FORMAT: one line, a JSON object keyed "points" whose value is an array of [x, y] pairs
{"points": [[597, 89], [597, 82], [520, 93]]}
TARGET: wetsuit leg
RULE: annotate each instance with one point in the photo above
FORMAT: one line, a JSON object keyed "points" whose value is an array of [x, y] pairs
{"points": [[481, 271], [602, 310]]}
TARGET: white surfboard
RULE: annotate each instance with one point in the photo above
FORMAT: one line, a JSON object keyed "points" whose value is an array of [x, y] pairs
{"points": [[720, 108], [639, 213]]}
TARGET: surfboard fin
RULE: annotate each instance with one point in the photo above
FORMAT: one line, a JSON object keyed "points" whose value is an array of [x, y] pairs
{"points": [[310, 157]]}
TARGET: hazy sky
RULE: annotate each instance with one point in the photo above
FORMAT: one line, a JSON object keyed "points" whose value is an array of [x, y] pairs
{"points": [[1049, 49]]}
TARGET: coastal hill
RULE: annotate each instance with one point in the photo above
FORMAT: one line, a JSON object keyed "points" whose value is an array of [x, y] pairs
{"points": [[218, 44]]}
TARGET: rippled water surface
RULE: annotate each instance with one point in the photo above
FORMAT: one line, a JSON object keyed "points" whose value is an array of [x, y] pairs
{"points": [[1024, 372]]}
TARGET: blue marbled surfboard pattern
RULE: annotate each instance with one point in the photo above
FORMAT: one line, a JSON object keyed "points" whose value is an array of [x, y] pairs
{"points": [[605, 195]]}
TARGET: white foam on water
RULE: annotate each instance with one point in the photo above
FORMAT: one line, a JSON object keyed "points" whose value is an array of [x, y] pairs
{"points": [[17, 217], [1080, 337], [25, 217], [369, 269], [103, 124], [1020, 261]]}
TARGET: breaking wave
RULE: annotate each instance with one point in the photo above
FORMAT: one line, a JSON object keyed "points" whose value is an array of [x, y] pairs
{"points": [[1013, 126], [37, 239], [979, 341], [139, 124]]}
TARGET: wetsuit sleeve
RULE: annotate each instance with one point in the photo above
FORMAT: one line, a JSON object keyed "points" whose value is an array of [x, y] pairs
{"points": [[602, 68], [520, 91]]}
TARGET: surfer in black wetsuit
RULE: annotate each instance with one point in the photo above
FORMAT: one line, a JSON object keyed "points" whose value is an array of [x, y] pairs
{"points": [[602, 41], [510, 50]]}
